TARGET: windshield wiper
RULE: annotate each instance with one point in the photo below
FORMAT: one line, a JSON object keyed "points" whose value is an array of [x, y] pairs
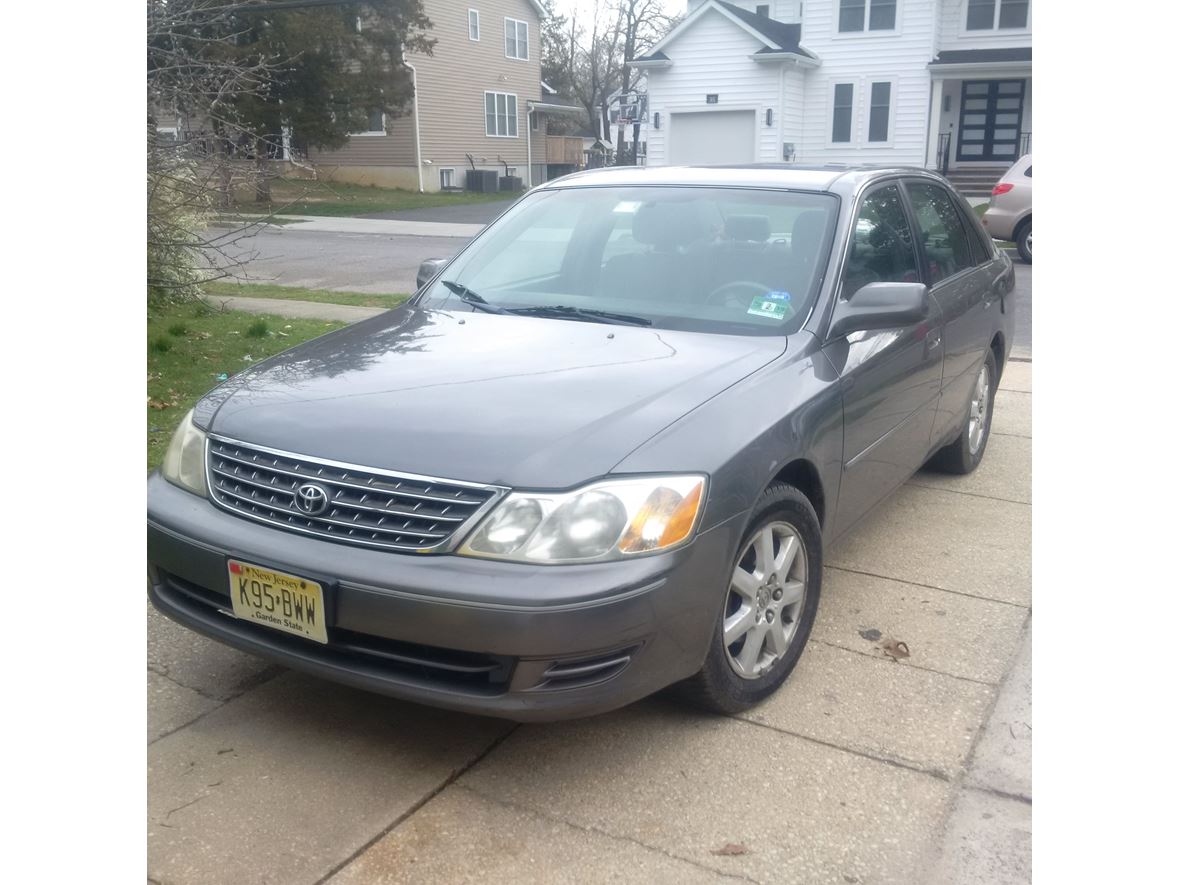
{"points": [[474, 299], [562, 311]]}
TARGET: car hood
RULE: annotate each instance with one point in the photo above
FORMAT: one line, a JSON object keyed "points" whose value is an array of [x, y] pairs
{"points": [[515, 401]]}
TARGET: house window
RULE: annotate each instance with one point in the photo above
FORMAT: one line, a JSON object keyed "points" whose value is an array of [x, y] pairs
{"points": [[375, 124], [842, 114], [446, 178], [500, 114], [763, 10], [879, 112], [988, 15], [882, 15], [516, 39], [473, 25]]}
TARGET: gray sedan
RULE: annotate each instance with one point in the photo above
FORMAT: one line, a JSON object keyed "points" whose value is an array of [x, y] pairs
{"points": [[602, 450]]}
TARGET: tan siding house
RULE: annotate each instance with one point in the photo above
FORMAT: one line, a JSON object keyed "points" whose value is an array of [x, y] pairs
{"points": [[472, 98]]}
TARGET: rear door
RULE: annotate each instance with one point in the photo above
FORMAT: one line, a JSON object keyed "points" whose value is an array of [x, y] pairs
{"points": [[960, 282], [889, 378]]}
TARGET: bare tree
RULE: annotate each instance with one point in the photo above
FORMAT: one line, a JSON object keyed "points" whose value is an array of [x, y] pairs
{"points": [[639, 25]]}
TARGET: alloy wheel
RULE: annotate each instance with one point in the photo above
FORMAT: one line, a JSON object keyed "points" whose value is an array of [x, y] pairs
{"points": [[765, 600], [977, 416]]}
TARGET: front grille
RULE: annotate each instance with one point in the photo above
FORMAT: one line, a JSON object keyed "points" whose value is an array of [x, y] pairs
{"points": [[390, 658], [366, 507]]}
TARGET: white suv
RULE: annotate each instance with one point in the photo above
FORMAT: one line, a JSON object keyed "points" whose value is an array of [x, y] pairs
{"points": [[1009, 213]]}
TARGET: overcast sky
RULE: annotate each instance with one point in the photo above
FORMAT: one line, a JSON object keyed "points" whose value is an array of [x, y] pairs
{"points": [[565, 7]]}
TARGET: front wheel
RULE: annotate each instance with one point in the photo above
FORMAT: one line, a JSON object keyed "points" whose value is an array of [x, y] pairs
{"points": [[769, 607]]}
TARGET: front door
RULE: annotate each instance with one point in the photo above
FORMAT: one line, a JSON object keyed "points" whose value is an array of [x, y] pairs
{"points": [[989, 120]]}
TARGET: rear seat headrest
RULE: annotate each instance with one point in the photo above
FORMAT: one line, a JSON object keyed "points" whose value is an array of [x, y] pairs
{"points": [[667, 225]]}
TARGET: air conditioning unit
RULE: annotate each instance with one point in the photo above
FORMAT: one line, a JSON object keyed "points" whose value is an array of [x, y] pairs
{"points": [[484, 181], [511, 183]]}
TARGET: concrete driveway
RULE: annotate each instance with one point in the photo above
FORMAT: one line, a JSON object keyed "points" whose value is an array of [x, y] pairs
{"points": [[860, 770]]}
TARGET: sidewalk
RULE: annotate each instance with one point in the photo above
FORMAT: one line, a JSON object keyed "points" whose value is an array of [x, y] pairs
{"points": [[350, 225], [304, 310]]}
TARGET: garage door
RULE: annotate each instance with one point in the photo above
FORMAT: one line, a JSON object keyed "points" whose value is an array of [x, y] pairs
{"points": [[717, 137]]}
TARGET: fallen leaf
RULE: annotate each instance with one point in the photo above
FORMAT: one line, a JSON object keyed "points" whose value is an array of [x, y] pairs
{"points": [[247, 359], [284, 334], [158, 404], [731, 849], [895, 648]]}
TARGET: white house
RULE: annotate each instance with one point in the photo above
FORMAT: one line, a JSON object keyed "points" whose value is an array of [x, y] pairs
{"points": [[943, 84]]}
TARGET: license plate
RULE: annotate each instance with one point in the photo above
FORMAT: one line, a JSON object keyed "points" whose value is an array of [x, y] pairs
{"points": [[278, 600]]}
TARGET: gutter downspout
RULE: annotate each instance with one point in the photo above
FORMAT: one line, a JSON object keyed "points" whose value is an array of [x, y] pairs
{"points": [[528, 140], [417, 120]]}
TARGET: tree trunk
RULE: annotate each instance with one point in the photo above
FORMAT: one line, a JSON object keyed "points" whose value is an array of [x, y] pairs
{"points": [[261, 171]]}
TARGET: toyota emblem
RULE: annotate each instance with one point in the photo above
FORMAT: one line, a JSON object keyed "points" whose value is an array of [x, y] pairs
{"points": [[311, 499]]}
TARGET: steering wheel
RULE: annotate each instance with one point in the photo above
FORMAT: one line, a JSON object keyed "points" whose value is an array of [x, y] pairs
{"points": [[730, 294]]}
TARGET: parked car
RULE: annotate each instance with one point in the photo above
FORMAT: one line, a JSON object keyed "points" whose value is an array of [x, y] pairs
{"points": [[601, 451], [1009, 211]]}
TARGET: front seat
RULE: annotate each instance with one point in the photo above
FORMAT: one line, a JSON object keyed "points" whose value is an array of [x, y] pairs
{"points": [[672, 231]]}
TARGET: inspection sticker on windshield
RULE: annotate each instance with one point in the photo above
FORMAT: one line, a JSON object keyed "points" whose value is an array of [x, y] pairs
{"points": [[775, 305]]}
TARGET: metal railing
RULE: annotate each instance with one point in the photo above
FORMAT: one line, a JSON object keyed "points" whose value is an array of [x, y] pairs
{"points": [[944, 152]]}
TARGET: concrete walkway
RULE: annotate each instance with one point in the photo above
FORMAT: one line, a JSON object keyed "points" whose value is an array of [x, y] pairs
{"points": [[304, 310], [390, 227]]}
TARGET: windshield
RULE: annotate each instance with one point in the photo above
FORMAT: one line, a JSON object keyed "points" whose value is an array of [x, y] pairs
{"points": [[722, 260]]}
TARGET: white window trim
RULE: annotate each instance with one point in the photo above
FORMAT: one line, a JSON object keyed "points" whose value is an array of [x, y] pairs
{"points": [[995, 30], [864, 32], [868, 102], [484, 111], [443, 169], [478, 31], [527, 38], [854, 128], [371, 133]]}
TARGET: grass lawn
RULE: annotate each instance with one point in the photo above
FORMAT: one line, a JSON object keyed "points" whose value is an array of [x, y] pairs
{"points": [[190, 345], [291, 196], [223, 289]]}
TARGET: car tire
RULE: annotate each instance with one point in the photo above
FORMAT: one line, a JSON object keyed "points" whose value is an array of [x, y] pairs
{"points": [[787, 515], [964, 454], [1023, 239]]}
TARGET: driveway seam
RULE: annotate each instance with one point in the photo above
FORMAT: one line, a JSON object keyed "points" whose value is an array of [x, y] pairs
{"points": [[935, 773], [263, 677], [992, 791], [417, 806], [585, 828], [853, 571], [164, 674], [922, 485], [910, 664]]}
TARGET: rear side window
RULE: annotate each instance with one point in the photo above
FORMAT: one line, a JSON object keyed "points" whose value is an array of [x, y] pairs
{"points": [[882, 248], [1028, 172], [944, 238]]}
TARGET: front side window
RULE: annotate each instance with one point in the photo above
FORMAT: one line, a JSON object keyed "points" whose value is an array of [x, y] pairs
{"points": [[473, 25], [944, 238], [882, 15], [842, 113], [879, 111], [500, 114], [722, 260], [987, 15], [882, 247], [516, 39]]}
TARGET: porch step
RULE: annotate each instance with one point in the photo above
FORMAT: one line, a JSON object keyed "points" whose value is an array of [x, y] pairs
{"points": [[976, 181]]}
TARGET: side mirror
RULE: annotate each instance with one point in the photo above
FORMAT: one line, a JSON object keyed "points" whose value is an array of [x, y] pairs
{"points": [[880, 306], [428, 268]]}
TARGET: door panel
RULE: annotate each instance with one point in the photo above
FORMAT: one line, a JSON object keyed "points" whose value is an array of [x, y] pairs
{"points": [[890, 378], [961, 289]]}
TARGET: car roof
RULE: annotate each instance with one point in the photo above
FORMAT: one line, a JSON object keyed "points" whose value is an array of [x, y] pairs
{"points": [[832, 177]]}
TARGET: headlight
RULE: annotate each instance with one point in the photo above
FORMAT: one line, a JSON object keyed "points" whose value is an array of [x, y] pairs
{"points": [[612, 519], [184, 464]]}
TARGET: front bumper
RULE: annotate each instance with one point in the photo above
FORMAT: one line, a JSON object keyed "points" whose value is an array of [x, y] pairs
{"points": [[519, 641]]}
